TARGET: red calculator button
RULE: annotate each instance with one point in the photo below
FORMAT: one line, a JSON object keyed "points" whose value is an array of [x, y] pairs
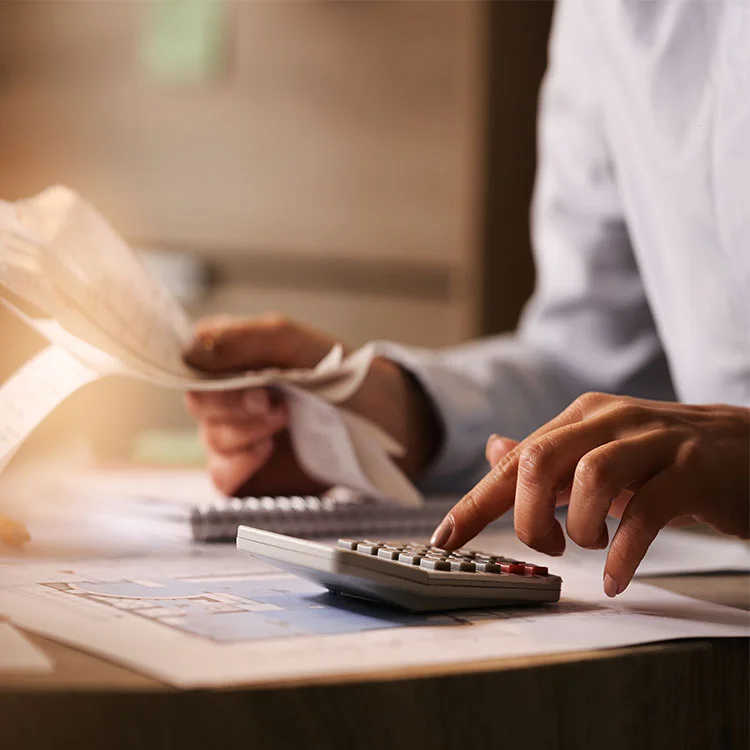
{"points": [[536, 570], [515, 568]]}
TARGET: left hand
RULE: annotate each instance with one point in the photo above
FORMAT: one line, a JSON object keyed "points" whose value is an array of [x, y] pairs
{"points": [[648, 463]]}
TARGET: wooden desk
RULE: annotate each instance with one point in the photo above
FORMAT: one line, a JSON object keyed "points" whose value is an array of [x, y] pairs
{"points": [[688, 694]]}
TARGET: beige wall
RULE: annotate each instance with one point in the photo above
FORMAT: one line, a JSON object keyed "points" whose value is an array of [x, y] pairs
{"points": [[344, 130], [343, 136]]}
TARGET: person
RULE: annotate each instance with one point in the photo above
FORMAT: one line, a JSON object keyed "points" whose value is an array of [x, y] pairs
{"points": [[626, 388]]}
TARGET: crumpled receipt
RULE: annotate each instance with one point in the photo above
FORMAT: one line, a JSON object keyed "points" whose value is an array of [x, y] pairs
{"points": [[107, 316]]}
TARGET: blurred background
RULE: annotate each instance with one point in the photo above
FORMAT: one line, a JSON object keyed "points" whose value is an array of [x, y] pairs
{"points": [[365, 167]]}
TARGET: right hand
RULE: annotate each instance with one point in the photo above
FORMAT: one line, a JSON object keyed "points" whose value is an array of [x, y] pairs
{"points": [[245, 432]]}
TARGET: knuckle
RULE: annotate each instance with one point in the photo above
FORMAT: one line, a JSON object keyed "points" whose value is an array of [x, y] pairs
{"points": [[533, 460], [621, 412], [471, 506], [627, 412], [588, 401], [633, 540], [285, 337], [591, 472], [506, 465], [691, 453]]}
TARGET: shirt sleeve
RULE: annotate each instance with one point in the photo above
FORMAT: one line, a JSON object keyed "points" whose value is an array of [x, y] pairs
{"points": [[588, 326]]}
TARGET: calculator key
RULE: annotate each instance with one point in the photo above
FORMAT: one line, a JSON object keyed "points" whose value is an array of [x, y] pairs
{"points": [[368, 548], [513, 568], [536, 570], [487, 567], [408, 558], [389, 553], [463, 566], [434, 564]]}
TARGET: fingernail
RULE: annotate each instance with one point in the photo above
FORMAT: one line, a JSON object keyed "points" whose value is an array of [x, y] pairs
{"points": [[611, 588], [207, 341], [497, 448], [255, 403], [201, 350], [488, 446], [442, 532]]}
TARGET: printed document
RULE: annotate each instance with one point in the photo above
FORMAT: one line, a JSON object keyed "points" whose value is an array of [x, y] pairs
{"points": [[204, 616], [108, 316]]}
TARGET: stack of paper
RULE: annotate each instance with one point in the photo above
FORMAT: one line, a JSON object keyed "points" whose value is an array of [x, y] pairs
{"points": [[108, 316]]}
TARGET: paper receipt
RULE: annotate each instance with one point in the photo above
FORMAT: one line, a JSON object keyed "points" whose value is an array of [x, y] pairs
{"points": [[108, 316]]}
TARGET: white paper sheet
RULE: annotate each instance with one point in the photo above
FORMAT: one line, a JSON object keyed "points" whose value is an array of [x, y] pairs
{"points": [[18, 655], [211, 616], [108, 316], [674, 552], [34, 391]]}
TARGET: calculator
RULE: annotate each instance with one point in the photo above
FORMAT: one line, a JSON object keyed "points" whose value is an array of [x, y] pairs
{"points": [[411, 575]]}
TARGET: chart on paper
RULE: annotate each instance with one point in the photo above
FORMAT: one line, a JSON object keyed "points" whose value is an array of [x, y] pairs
{"points": [[242, 608]]}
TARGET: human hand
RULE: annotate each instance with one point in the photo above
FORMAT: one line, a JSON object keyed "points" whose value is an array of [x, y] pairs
{"points": [[245, 432], [648, 463]]}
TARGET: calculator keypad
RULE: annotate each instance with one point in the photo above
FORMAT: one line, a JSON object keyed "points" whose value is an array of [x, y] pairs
{"points": [[434, 558]]}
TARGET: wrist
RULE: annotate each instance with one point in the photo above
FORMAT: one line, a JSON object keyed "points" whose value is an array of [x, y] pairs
{"points": [[393, 398]]}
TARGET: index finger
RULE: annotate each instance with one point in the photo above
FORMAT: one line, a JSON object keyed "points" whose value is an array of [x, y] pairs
{"points": [[227, 344], [489, 499], [495, 493]]}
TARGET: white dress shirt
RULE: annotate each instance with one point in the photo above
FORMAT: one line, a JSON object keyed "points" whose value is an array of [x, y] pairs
{"points": [[640, 226]]}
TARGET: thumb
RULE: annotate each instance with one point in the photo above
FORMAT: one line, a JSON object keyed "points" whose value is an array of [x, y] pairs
{"points": [[497, 447], [226, 344]]}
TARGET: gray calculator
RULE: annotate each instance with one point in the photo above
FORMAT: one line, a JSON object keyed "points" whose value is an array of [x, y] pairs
{"points": [[411, 575]]}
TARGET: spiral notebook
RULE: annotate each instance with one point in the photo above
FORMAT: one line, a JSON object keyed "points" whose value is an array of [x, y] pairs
{"points": [[186, 502], [315, 517]]}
